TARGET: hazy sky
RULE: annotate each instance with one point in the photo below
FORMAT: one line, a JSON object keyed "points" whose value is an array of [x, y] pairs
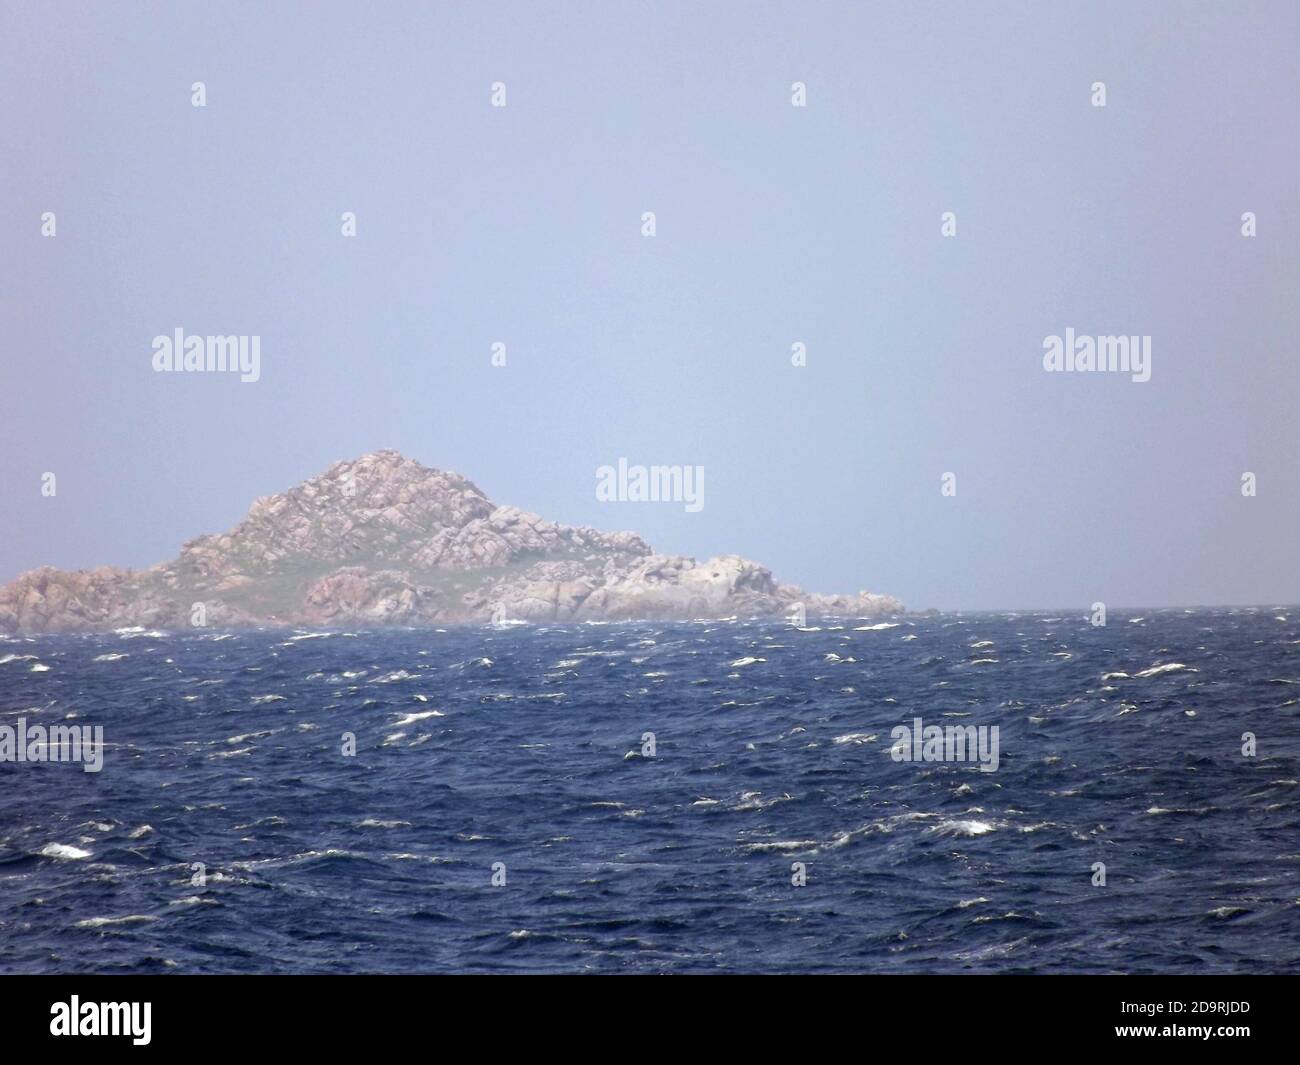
{"points": [[775, 224]]}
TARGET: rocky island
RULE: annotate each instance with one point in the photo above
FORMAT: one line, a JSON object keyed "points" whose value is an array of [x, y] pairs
{"points": [[383, 540]]}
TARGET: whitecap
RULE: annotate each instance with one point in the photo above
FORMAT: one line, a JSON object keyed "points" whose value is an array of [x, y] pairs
{"points": [[856, 738], [99, 922], [411, 719], [962, 828], [780, 846], [1168, 667], [751, 800], [64, 852]]}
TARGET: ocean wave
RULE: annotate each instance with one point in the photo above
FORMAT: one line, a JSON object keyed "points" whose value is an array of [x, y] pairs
{"points": [[784, 846], [64, 852], [101, 922], [666, 872], [411, 719], [1160, 670], [966, 828]]}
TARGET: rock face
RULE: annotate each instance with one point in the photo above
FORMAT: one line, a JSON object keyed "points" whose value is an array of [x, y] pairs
{"points": [[382, 540]]}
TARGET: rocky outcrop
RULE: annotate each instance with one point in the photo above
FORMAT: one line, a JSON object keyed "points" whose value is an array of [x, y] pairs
{"points": [[382, 540]]}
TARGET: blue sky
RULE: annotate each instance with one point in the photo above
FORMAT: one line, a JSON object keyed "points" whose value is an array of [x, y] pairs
{"points": [[775, 224]]}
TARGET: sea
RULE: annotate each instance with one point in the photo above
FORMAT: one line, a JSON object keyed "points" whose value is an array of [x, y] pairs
{"points": [[725, 796]]}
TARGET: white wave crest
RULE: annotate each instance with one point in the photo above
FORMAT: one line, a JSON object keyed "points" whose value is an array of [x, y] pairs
{"points": [[64, 852]]}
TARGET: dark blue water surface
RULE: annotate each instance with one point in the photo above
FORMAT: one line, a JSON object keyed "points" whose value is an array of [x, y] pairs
{"points": [[225, 750]]}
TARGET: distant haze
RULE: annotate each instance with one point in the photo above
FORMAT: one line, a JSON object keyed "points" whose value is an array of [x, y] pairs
{"points": [[774, 225]]}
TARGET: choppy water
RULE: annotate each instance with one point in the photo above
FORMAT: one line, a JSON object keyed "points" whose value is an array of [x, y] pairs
{"points": [[524, 747]]}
